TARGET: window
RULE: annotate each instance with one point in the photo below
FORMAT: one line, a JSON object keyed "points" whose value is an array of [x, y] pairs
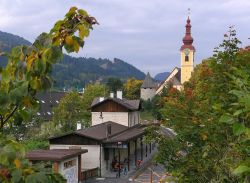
{"points": [[186, 58], [69, 164]]}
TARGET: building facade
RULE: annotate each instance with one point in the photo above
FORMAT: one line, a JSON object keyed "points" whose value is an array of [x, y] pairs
{"points": [[119, 110], [180, 75], [148, 88], [187, 54]]}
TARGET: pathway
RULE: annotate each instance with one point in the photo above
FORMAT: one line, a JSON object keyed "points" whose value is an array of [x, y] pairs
{"points": [[144, 177], [158, 172]]}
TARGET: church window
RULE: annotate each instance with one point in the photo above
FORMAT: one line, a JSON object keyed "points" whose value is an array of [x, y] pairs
{"points": [[186, 58]]}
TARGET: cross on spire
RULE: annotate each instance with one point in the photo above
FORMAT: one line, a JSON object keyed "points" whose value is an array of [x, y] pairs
{"points": [[188, 40], [189, 11]]}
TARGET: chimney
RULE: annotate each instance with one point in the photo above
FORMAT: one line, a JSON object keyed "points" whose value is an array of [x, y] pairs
{"points": [[78, 126], [101, 99], [83, 89], [112, 94], [109, 130], [119, 94]]}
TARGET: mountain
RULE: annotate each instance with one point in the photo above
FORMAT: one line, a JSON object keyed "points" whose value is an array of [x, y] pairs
{"points": [[8, 41], [72, 72], [78, 72], [161, 76]]}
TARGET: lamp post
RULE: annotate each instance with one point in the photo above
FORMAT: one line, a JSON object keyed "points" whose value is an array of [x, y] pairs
{"points": [[119, 159]]}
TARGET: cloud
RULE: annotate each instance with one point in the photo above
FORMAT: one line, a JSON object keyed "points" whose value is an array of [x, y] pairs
{"points": [[146, 33]]}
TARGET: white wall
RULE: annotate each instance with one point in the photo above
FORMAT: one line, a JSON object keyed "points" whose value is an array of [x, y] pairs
{"points": [[118, 117], [147, 93], [134, 118], [90, 160]]}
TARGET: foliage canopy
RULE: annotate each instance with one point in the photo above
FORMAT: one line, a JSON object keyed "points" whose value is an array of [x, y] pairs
{"points": [[27, 72], [211, 119]]}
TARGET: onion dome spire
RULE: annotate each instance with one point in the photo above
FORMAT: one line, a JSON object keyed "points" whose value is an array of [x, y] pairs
{"points": [[188, 40]]}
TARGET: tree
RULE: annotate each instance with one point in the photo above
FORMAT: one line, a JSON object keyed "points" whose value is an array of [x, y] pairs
{"points": [[26, 73], [28, 66], [210, 142], [69, 112], [114, 84], [132, 88], [92, 91]]}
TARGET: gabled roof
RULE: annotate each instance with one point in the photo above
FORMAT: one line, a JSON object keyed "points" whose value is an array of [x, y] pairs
{"points": [[174, 77], [97, 132], [126, 135], [148, 82], [129, 104], [54, 154], [47, 101], [119, 133]]}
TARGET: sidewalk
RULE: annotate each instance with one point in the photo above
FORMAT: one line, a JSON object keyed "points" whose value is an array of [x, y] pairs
{"points": [[132, 174]]}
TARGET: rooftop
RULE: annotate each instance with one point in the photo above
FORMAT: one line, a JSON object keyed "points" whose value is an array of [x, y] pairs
{"points": [[129, 104], [54, 154], [48, 100], [148, 82]]}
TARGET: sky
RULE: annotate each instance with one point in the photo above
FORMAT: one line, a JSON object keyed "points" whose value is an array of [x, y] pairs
{"points": [[145, 33]]}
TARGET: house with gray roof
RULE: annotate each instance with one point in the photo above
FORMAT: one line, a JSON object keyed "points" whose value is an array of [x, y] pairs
{"points": [[148, 88], [47, 101], [120, 110], [115, 138]]}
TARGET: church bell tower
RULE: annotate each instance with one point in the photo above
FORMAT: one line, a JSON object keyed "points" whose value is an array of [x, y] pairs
{"points": [[187, 54]]}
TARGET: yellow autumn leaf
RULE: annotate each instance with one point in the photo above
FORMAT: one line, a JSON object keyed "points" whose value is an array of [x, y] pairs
{"points": [[73, 9], [76, 46], [69, 40], [17, 163], [83, 31], [27, 102], [204, 136], [30, 61], [28, 171]]}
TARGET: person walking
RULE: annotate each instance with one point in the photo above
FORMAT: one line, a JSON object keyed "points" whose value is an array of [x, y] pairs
{"points": [[125, 166]]}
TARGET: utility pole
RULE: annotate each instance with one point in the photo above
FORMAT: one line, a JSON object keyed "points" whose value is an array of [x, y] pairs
{"points": [[151, 176]]}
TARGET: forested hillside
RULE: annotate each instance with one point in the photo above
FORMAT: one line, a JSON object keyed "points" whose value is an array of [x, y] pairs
{"points": [[74, 72], [77, 72]]}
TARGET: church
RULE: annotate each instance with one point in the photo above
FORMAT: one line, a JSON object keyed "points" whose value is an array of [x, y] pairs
{"points": [[178, 76]]}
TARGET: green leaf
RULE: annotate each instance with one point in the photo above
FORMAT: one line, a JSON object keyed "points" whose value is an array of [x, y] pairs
{"points": [[238, 129], [226, 118], [57, 25], [241, 169], [35, 83], [238, 112], [52, 54], [43, 41], [5, 76], [24, 114], [20, 90], [16, 176], [82, 12], [237, 93], [37, 177], [83, 31]]}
